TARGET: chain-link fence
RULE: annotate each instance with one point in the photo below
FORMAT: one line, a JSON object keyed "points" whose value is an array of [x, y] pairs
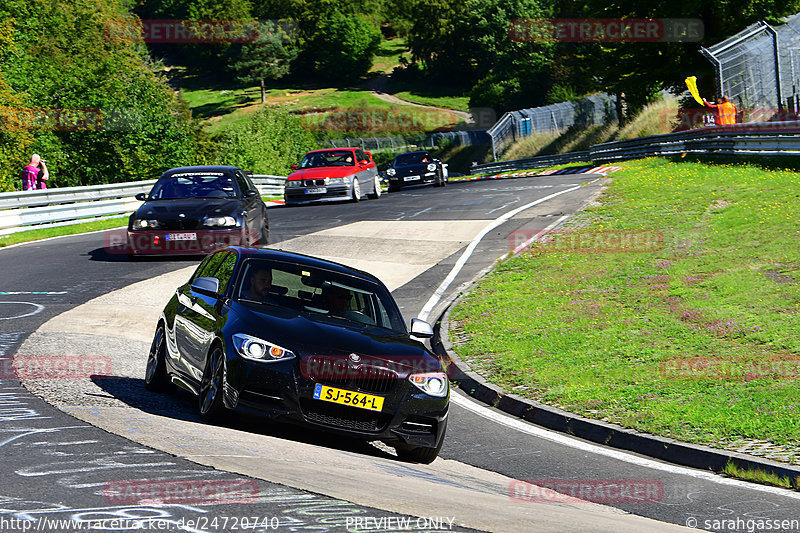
{"points": [[759, 70], [554, 118]]}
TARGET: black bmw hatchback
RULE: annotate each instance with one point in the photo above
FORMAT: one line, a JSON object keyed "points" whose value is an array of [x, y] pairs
{"points": [[304, 340]]}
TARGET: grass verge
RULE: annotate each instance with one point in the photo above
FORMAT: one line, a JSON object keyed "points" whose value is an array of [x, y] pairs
{"points": [[72, 229], [759, 476], [676, 310]]}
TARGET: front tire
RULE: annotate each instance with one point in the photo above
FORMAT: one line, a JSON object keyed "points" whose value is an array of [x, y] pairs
{"points": [[263, 239], [156, 378], [439, 181], [356, 191], [376, 193], [211, 386]]}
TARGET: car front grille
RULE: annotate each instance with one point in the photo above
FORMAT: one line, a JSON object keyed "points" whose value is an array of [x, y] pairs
{"points": [[180, 224], [344, 417], [366, 377], [314, 183]]}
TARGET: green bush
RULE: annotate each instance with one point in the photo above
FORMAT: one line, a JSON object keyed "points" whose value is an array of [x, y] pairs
{"points": [[63, 60], [267, 143]]}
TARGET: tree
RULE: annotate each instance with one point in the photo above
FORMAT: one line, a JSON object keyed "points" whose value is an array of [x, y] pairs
{"points": [[338, 46], [269, 57]]}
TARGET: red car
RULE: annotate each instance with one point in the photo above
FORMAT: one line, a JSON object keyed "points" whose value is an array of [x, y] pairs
{"points": [[333, 174]]}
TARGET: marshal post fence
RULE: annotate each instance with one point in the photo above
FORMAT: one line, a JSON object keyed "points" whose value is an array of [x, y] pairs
{"points": [[595, 109], [759, 69]]}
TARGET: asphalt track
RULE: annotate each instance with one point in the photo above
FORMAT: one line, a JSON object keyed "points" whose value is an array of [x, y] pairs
{"points": [[411, 240]]}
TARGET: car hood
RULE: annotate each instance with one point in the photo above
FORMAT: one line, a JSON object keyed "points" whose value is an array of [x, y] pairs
{"points": [[416, 168], [190, 208], [322, 172], [316, 342]]}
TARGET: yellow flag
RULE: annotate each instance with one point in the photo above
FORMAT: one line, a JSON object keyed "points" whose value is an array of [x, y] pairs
{"points": [[691, 83]]}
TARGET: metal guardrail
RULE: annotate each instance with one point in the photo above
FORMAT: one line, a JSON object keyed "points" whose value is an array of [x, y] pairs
{"points": [[532, 162], [63, 195], [269, 185], [21, 211], [760, 138], [757, 138]]}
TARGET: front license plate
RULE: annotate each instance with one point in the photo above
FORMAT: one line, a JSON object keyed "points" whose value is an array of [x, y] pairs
{"points": [[411, 178], [348, 397], [317, 190], [181, 236]]}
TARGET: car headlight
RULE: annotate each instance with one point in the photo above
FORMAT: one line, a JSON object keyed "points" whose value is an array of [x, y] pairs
{"points": [[433, 383], [336, 181], [293, 184], [216, 222], [431, 166], [145, 224], [391, 172], [257, 349]]}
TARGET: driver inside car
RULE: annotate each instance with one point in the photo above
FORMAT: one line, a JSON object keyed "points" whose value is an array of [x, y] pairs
{"points": [[259, 284], [337, 299]]}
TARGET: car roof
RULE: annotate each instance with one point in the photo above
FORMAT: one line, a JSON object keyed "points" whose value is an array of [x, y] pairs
{"points": [[301, 259], [204, 168]]}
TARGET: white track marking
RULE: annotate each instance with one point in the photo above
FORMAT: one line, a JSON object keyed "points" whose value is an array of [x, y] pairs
{"points": [[565, 440], [437, 295], [37, 309], [545, 231]]}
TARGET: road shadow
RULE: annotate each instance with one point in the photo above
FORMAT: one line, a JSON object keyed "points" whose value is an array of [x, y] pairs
{"points": [[182, 405], [112, 255]]}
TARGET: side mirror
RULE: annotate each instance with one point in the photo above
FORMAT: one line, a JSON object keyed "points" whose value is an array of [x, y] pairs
{"points": [[206, 286], [363, 162], [142, 196], [251, 193], [294, 167], [421, 329]]}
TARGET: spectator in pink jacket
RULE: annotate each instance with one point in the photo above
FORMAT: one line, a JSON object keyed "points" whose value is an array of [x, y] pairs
{"points": [[35, 174]]}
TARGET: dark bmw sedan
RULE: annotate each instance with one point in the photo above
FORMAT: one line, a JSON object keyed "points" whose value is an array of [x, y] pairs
{"points": [[299, 339], [415, 168], [195, 210]]}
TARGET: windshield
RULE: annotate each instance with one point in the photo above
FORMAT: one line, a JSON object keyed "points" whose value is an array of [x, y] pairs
{"points": [[318, 293], [411, 159], [333, 158], [193, 185]]}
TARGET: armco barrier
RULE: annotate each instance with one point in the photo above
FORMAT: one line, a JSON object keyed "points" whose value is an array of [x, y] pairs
{"points": [[532, 162], [757, 138], [762, 138], [20, 211]]}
